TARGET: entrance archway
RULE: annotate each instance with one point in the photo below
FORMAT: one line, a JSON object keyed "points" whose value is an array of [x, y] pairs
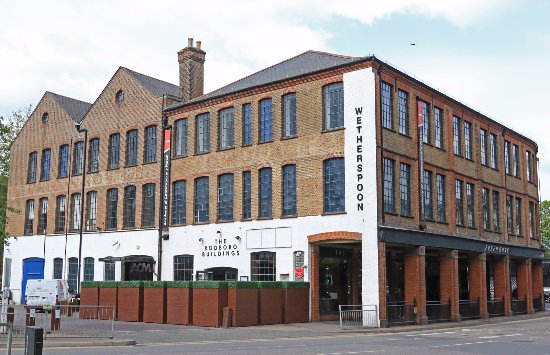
{"points": [[335, 272]]}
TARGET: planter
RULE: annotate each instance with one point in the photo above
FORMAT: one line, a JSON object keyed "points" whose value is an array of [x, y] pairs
{"points": [[89, 300], [270, 302], [295, 302], [242, 298], [209, 298], [108, 297], [130, 301], [154, 302], [179, 302]]}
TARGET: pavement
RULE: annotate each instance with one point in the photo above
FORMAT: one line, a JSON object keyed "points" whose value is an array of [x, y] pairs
{"points": [[131, 333]]}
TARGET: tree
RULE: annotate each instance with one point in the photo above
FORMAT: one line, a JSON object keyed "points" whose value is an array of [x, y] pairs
{"points": [[9, 128], [545, 220]]}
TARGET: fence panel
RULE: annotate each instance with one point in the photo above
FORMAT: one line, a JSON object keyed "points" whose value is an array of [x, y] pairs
{"points": [[438, 311], [400, 313], [6, 337], [358, 316], [495, 307], [519, 306], [469, 309], [65, 321], [537, 304]]}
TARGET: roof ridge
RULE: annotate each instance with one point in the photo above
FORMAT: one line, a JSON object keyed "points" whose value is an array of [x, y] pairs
{"points": [[333, 54], [149, 76], [67, 97]]}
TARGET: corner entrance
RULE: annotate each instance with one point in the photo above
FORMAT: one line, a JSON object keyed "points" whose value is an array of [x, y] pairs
{"points": [[335, 273]]}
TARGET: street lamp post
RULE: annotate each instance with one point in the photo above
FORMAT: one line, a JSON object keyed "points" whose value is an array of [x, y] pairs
{"points": [[80, 130]]}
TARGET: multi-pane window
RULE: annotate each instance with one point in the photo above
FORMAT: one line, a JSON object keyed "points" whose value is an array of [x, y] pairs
{"points": [[93, 161], [63, 165], [265, 193], [114, 151], [226, 128], [183, 267], [507, 160], [131, 147], [180, 137], [532, 223], [519, 224], [529, 159], [467, 140], [289, 115], [45, 164], [57, 268], [247, 194], [459, 202], [29, 217], [403, 110], [129, 211], [483, 146], [405, 189], [457, 146], [440, 186], [247, 124], [334, 185], [289, 190], [266, 120], [486, 211], [60, 205], [150, 152], [425, 112], [111, 219], [88, 269], [470, 205], [76, 201], [389, 196], [333, 98], [509, 214], [179, 197], [148, 206], [515, 152], [91, 210], [31, 170], [493, 150], [109, 271], [78, 158], [202, 133], [42, 215], [387, 105], [73, 274], [427, 192], [202, 204], [496, 211], [438, 117], [263, 266], [225, 197]]}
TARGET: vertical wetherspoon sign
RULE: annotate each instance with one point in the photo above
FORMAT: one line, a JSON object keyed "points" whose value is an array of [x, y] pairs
{"points": [[420, 110], [166, 182]]}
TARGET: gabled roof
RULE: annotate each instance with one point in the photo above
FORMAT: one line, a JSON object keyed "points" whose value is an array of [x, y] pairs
{"points": [[155, 86], [74, 108], [302, 64]]}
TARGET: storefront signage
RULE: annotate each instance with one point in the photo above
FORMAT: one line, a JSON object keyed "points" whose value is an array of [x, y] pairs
{"points": [[299, 272], [166, 184], [220, 247], [497, 249], [359, 157], [421, 156]]}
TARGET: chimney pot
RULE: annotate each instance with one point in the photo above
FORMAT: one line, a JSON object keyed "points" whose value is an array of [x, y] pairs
{"points": [[198, 44], [191, 68], [190, 42]]}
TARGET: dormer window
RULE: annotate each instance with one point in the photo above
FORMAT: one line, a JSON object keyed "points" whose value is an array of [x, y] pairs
{"points": [[45, 118], [119, 96]]}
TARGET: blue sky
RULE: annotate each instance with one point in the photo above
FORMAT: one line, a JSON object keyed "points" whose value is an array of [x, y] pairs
{"points": [[492, 55]]}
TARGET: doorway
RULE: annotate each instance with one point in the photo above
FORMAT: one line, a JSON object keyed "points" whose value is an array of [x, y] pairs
{"points": [[222, 273], [335, 278], [33, 268]]}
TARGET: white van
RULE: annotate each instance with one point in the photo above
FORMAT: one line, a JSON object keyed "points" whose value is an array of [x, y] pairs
{"points": [[46, 292]]}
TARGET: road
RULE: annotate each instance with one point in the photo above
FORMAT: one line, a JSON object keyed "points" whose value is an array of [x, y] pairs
{"points": [[518, 337]]}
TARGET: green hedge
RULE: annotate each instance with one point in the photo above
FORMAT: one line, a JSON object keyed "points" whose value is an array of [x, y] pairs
{"points": [[242, 284], [209, 284], [130, 284], [294, 284], [178, 284], [100, 284], [154, 284]]}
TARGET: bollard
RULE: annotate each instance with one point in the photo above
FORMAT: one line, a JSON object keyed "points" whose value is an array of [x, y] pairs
{"points": [[55, 322], [34, 340]]}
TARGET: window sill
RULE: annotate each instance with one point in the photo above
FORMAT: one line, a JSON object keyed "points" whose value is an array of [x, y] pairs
{"points": [[226, 148], [470, 160], [392, 213], [328, 130], [264, 142], [389, 129], [148, 227], [443, 222], [79, 174], [178, 225], [179, 156], [333, 213], [202, 153], [440, 149], [246, 145], [405, 135], [201, 223], [264, 218], [62, 177], [406, 216], [289, 216], [130, 166], [149, 162], [43, 180], [113, 168], [458, 155], [92, 172], [289, 137], [225, 221], [246, 219]]}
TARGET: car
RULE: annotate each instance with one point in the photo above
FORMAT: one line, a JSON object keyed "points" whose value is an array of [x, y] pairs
{"points": [[547, 294]]}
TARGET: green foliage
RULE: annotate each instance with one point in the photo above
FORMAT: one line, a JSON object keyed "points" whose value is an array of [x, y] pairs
{"points": [[154, 284], [242, 284], [545, 220], [295, 284], [130, 284], [9, 128], [99, 284], [209, 284], [178, 284]]}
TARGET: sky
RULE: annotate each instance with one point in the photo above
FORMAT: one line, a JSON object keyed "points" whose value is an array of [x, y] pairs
{"points": [[492, 55]]}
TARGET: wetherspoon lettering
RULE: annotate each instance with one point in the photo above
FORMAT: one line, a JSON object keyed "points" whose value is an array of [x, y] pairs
{"points": [[359, 160]]}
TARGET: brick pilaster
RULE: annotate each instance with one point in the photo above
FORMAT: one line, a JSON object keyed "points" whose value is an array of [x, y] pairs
{"points": [[525, 283], [477, 271], [383, 315], [315, 315], [415, 282], [502, 282], [536, 276], [448, 281]]}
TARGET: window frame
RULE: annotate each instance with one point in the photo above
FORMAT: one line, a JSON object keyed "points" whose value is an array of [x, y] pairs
{"points": [[78, 158], [386, 104], [246, 195], [42, 225], [148, 197], [441, 198], [131, 158], [334, 189], [405, 189], [289, 109], [289, 196], [263, 266], [89, 266], [247, 124], [111, 209], [333, 114], [265, 120], [181, 137], [63, 161], [226, 128], [388, 183], [60, 210], [201, 208], [91, 211], [45, 164], [438, 123], [184, 273], [150, 144], [226, 197], [179, 201], [93, 155], [76, 203], [457, 144], [202, 133], [32, 167], [129, 207], [265, 193], [28, 227]]}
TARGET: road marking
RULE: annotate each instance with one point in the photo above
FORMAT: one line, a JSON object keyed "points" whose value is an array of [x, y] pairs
{"points": [[429, 334], [461, 344]]}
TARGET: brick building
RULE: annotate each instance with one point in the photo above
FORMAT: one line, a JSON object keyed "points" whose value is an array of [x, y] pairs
{"points": [[313, 169]]}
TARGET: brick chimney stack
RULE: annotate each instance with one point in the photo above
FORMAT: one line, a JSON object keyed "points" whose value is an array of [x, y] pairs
{"points": [[191, 62]]}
